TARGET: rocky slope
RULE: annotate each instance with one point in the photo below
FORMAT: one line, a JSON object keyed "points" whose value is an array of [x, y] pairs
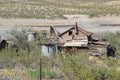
{"points": [[57, 8]]}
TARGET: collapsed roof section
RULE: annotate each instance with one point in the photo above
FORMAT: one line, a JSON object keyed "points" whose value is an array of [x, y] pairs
{"points": [[54, 31], [78, 29]]}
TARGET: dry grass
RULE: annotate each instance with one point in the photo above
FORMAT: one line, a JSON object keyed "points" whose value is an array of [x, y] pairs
{"points": [[55, 8]]}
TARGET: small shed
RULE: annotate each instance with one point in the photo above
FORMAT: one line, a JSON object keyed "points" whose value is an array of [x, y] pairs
{"points": [[50, 49], [31, 36]]}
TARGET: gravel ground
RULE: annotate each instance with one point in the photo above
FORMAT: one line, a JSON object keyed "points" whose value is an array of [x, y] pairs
{"points": [[13, 74], [13, 77]]}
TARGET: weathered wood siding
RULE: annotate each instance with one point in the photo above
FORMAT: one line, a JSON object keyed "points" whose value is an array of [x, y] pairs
{"points": [[66, 36]]}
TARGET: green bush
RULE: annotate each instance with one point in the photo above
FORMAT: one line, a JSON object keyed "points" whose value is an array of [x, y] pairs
{"points": [[104, 72], [46, 73], [112, 38], [93, 15], [7, 55], [33, 74], [73, 64], [76, 67]]}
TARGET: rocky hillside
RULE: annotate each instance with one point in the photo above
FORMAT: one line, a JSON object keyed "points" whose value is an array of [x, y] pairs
{"points": [[57, 8]]}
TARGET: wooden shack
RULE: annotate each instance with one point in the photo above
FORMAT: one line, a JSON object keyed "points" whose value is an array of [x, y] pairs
{"points": [[75, 37]]}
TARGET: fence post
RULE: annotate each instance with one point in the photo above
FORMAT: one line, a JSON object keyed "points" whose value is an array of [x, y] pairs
{"points": [[40, 68]]}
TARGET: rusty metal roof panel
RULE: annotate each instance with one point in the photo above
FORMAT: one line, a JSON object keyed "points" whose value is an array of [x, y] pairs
{"points": [[74, 43], [99, 43]]}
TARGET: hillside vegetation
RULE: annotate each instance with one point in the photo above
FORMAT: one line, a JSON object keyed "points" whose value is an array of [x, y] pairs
{"points": [[57, 8], [80, 66], [22, 60]]}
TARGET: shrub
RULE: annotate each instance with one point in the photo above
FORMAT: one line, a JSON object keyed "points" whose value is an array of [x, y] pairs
{"points": [[47, 73], [76, 67], [104, 72]]}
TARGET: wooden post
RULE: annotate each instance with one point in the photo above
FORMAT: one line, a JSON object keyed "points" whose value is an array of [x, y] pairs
{"points": [[40, 68]]}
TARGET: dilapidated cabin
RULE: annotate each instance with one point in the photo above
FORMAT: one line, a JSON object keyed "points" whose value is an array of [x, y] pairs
{"points": [[75, 37], [79, 38]]}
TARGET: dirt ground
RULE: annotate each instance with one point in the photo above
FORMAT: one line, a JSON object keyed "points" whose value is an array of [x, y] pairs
{"points": [[20, 22], [91, 24]]}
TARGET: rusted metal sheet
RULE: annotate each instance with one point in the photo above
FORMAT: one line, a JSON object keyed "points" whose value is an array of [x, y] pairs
{"points": [[76, 43], [98, 42]]}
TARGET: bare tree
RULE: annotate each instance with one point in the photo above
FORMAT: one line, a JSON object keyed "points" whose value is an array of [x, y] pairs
{"points": [[20, 39]]}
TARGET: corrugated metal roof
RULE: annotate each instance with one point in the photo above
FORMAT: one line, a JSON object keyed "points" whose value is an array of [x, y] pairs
{"points": [[76, 43], [99, 43]]}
